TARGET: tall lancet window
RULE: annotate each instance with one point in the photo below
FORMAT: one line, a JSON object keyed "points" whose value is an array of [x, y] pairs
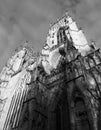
{"points": [[61, 36]]}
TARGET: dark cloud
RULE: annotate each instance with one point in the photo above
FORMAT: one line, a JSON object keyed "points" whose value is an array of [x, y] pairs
{"points": [[29, 20]]}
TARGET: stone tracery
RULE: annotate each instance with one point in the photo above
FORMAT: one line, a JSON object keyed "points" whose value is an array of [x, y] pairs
{"points": [[42, 79]]}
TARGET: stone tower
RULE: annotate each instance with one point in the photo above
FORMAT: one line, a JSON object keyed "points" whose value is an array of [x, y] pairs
{"points": [[56, 89]]}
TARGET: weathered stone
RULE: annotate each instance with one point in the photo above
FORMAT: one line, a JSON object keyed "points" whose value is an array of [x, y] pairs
{"points": [[57, 89]]}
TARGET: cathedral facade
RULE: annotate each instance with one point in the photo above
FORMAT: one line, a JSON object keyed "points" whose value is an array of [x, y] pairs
{"points": [[56, 89]]}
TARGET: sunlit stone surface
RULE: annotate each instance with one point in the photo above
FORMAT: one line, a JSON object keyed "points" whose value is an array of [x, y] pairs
{"points": [[56, 89]]}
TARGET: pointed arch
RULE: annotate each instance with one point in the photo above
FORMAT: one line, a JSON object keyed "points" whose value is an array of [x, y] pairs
{"points": [[80, 114]]}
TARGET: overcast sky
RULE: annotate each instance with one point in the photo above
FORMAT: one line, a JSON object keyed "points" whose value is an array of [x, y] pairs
{"points": [[29, 20]]}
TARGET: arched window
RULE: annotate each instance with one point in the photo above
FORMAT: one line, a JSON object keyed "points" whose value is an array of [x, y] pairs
{"points": [[61, 36], [81, 117]]}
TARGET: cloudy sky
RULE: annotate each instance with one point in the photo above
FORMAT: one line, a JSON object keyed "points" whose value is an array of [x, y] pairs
{"points": [[29, 20]]}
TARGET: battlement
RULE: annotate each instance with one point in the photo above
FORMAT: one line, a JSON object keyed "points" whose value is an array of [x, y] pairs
{"points": [[35, 82]]}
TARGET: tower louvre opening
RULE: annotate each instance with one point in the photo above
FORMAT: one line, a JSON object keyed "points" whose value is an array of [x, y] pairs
{"points": [[56, 89]]}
